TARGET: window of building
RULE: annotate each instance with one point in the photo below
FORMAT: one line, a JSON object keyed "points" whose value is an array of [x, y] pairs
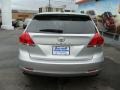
{"points": [[49, 9], [57, 9], [40, 10]]}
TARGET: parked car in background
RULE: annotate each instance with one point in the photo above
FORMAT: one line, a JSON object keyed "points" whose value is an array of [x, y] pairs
{"points": [[15, 23], [61, 44], [26, 22], [108, 21], [99, 18]]}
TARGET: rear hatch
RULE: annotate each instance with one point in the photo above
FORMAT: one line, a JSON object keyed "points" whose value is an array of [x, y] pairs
{"points": [[61, 37]]}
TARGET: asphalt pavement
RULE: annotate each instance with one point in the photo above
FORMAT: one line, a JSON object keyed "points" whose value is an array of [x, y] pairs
{"points": [[11, 77]]}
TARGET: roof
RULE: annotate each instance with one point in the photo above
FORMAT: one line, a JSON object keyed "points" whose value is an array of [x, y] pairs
{"points": [[71, 13], [83, 1], [80, 1]]}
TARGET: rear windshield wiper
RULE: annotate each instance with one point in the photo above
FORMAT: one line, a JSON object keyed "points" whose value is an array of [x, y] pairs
{"points": [[52, 31]]}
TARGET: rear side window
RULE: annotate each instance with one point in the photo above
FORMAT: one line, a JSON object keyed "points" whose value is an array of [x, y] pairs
{"points": [[66, 24]]}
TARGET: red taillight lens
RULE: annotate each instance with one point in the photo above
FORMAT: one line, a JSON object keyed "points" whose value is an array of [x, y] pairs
{"points": [[97, 40], [26, 39]]}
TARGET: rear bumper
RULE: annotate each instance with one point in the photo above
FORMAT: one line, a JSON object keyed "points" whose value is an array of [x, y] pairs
{"points": [[62, 67]]}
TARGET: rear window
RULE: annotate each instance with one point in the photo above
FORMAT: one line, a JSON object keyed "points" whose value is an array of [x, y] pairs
{"points": [[66, 24]]}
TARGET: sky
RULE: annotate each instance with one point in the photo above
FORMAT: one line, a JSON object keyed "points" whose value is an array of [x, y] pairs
{"points": [[101, 6], [35, 4]]}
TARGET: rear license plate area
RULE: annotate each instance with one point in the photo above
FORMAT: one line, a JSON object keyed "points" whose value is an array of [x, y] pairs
{"points": [[61, 50]]}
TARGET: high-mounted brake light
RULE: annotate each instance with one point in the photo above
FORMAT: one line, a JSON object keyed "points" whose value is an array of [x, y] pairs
{"points": [[26, 39], [97, 40]]}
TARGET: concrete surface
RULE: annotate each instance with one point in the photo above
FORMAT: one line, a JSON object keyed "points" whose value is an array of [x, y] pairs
{"points": [[11, 78]]}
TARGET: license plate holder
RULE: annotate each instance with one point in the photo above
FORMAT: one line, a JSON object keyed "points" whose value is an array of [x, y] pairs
{"points": [[61, 50]]}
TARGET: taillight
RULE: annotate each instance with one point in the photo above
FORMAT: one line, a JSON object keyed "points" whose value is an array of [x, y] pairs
{"points": [[97, 40], [26, 39]]}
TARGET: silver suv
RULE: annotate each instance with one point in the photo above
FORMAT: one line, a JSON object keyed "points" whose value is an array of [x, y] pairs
{"points": [[61, 44]]}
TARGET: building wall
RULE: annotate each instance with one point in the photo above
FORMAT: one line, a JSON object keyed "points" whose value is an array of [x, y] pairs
{"points": [[100, 6], [53, 9], [21, 16]]}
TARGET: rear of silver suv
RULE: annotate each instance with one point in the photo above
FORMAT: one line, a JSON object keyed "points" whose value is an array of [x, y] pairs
{"points": [[61, 44]]}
